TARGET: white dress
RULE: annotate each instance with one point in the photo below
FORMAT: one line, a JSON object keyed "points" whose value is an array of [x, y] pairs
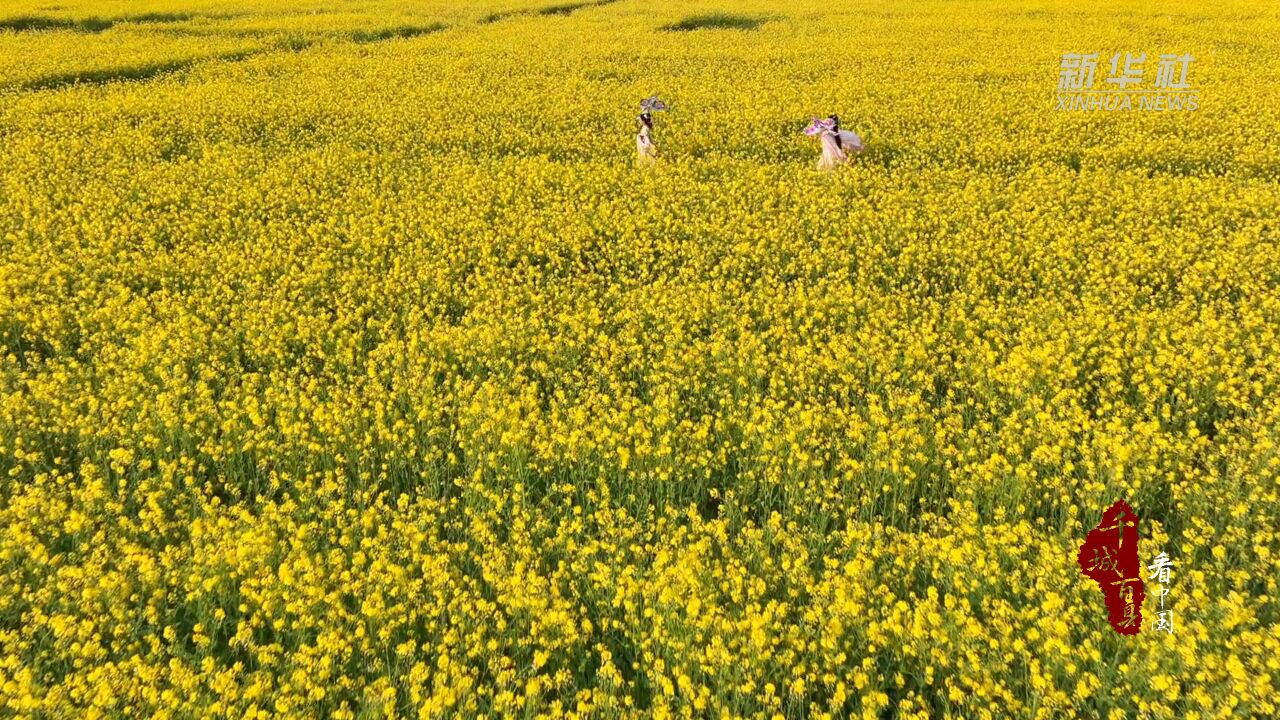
{"points": [[834, 155], [646, 151]]}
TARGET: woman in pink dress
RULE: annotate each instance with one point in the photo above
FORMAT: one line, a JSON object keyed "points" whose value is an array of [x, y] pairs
{"points": [[838, 145]]}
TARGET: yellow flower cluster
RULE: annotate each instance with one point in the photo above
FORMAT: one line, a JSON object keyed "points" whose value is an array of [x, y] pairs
{"points": [[349, 368]]}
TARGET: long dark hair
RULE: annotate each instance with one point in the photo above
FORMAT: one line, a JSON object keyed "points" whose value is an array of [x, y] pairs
{"points": [[647, 119], [835, 129]]}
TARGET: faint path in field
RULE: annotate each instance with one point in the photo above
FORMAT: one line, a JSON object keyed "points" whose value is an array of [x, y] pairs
{"points": [[36, 23], [561, 9], [717, 21], [148, 71], [394, 33], [133, 72], [295, 43]]}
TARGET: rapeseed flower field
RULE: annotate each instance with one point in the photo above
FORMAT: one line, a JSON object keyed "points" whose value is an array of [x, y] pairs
{"points": [[349, 367]]}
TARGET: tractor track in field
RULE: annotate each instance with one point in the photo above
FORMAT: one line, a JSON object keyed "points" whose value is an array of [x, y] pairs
{"points": [[297, 43], [148, 71]]}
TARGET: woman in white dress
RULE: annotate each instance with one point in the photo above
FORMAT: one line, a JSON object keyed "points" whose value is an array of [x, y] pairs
{"points": [[646, 150], [837, 145]]}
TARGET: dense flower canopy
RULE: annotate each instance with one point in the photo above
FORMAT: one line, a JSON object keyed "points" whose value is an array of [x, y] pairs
{"points": [[348, 367]]}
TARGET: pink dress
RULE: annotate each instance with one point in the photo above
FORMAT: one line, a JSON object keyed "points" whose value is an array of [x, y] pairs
{"points": [[834, 155]]}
